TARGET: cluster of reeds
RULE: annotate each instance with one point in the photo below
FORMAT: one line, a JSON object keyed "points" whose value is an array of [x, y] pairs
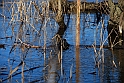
{"points": [[105, 42], [30, 22]]}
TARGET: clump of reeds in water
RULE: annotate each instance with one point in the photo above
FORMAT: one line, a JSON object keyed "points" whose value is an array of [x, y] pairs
{"points": [[29, 22]]}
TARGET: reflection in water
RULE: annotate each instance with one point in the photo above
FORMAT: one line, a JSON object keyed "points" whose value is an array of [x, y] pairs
{"points": [[77, 64], [113, 66], [85, 67], [52, 70], [119, 54]]}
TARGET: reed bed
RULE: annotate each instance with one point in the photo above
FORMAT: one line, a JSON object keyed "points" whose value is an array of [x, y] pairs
{"points": [[33, 29], [30, 23]]}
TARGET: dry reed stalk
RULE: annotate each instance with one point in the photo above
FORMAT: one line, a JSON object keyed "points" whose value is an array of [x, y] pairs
{"points": [[113, 61], [94, 46], [100, 53], [45, 11], [71, 71], [78, 24], [22, 74], [61, 58], [15, 69], [102, 42]]}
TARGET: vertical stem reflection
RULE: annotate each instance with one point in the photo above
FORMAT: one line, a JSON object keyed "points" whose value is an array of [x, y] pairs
{"points": [[77, 64], [23, 72]]}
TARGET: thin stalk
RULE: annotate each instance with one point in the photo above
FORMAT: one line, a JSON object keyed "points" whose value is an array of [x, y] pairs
{"points": [[71, 71], [78, 24], [61, 58], [44, 44], [94, 46], [23, 72], [101, 40]]}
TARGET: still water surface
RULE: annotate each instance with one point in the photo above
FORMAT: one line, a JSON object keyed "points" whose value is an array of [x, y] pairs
{"points": [[78, 65]]}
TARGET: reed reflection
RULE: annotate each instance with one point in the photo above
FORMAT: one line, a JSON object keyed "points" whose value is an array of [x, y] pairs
{"points": [[119, 54], [77, 64]]}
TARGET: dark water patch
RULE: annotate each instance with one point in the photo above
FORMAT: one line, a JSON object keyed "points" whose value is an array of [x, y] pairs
{"points": [[2, 46]]}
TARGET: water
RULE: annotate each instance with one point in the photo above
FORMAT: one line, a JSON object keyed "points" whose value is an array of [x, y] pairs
{"points": [[78, 65]]}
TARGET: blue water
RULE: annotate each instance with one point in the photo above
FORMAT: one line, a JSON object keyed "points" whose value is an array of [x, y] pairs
{"points": [[80, 62]]}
